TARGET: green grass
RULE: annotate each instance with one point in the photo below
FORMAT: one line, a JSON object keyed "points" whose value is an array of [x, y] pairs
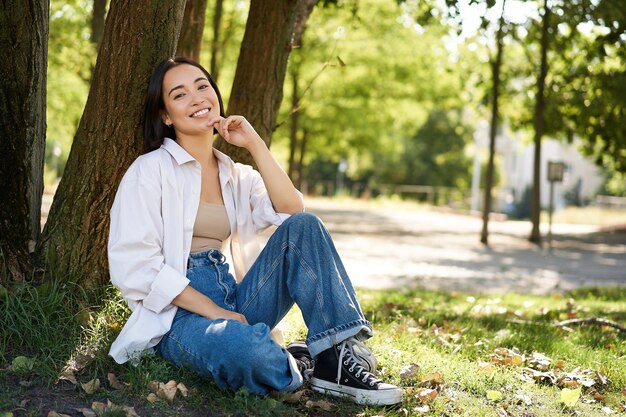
{"points": [[454, 335]]}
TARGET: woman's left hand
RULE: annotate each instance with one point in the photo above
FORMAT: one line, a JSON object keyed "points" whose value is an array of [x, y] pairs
{"points": [[235, 130]]}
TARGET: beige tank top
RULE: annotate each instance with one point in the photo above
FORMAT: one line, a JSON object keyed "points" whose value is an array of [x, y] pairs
{"points": [[211, 228]]}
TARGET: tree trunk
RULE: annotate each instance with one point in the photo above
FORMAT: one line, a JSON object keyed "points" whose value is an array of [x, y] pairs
{"points": [[24, 40], [535, 233], [300, 165], [190, 41], [138, 34], [493, 129], [215, 43], [294, 128], [97, 21], [258, 85]]}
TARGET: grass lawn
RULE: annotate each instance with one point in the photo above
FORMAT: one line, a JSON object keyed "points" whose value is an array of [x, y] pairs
{"points": [[455, 354]]}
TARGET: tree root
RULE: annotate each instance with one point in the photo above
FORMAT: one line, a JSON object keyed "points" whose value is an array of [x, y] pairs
{"points": [[593, 320]]}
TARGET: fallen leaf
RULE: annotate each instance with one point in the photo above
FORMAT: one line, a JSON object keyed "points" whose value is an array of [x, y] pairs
{"points": [[170, 384], [55, 414], [86, 412], [153, 386], [432, 379], [68, 375], [494, 395], [183, 389], [423, 409], [98, 407], [539, 361], [324, 405], [603, 379], [113, 382], [409, 371], [425, 395], [91, 386], [501, 412], [599, 397], [569, 397], [523, 398], [443, 342], [291, 397], [167, 393], [608, 411], [487, 367], [152, 398]]}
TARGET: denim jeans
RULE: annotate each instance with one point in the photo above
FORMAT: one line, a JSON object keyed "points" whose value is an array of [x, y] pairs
{"points": [[299, 264]]}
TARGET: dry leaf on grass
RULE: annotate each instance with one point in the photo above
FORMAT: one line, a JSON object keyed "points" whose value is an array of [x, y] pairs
{"points": [[182, 389], [113, 382], [422, 409], [68, 375], [425, 395], [432, 380], [324, 405], [153, 386], [55, 414], [569, 397], [86, 412], [501, 412], [504, 356], [91, 386], [167, 394], [152, 398], [409, 371], [98, 407]]}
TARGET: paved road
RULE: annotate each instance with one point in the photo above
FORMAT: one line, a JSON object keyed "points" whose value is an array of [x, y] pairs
{"points": [[395, 247]]}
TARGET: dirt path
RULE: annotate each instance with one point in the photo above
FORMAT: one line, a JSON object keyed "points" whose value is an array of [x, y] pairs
{"points": [[395, 247]]}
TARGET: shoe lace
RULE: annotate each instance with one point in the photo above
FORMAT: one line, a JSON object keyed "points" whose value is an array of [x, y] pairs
{"points": [[347, 357]]}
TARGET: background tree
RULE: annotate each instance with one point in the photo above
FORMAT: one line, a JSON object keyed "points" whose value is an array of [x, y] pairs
{"points": [[215, 42], [496, 65], [109, 137], [97, 21], [258, 85], [24, 37], [190, 40]]}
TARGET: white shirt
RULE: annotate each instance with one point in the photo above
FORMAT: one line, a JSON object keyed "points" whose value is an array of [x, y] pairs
{"points": [[152, 222]]}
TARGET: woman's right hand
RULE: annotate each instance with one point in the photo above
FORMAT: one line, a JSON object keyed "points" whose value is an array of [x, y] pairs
{"points": [[231, 315]]}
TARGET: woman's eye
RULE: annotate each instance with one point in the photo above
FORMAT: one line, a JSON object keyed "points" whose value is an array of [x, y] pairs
{"points": [[203, 87], [177, 96]]}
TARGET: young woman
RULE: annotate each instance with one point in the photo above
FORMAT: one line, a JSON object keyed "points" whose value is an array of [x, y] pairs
{"points": [[179, 207]]}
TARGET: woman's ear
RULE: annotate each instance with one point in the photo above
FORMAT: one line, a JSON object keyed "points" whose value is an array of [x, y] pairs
{"points": [[165, 118]]}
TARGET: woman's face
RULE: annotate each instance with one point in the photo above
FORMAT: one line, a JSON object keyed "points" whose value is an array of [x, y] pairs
{"points": [[189, 99]]}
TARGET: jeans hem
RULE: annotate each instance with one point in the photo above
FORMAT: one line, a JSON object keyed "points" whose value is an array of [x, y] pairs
{"points": [[327, 339]]}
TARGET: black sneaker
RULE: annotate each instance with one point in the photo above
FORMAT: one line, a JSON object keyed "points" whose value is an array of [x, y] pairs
{"points": [[300, 353], [339, 372]]}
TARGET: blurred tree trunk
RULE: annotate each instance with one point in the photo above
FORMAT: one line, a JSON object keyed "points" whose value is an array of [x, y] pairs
{"points": [[24, 40], [535, 233], [190, 41], [138, 34], [496, 64], [215, 43], [300, 164], [258, 85], [97, 21], [294, 127]]}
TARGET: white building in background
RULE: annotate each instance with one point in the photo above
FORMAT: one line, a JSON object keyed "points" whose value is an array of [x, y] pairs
{"points": [[516, 159]]}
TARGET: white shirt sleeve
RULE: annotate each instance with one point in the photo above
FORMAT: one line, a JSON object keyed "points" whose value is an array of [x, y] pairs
{"points": [[263, 212], [136, 262]]}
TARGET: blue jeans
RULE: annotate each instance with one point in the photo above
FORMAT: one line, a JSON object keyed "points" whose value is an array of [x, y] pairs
{"points": [[299, 264]]}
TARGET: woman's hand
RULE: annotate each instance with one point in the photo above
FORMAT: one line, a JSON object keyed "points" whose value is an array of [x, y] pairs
{"points": [[231, 315], [236, 130]]}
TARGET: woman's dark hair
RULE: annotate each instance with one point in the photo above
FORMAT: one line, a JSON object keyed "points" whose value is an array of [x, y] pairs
{"points": [[154, 130]]}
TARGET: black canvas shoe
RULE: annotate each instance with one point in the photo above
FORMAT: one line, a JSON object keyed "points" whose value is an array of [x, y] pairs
{"points": [[339, 372], [300, 353]]}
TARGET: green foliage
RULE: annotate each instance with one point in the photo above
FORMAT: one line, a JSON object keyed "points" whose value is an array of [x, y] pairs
{"points": [[71, 56]]}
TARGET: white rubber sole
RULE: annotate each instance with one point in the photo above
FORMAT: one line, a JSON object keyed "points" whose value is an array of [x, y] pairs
{"points": [[360, 396]]}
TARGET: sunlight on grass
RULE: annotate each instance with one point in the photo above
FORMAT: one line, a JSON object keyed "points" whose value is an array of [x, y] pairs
{"points": [[469, 355]]}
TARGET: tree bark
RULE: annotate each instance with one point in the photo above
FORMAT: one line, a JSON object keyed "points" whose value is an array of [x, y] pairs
{"points": [[493, 129], [258, 85], [24, 40], [294, 127], [190, 41], [138, 34], [535, 233], [97, 21], [215, 43]]}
